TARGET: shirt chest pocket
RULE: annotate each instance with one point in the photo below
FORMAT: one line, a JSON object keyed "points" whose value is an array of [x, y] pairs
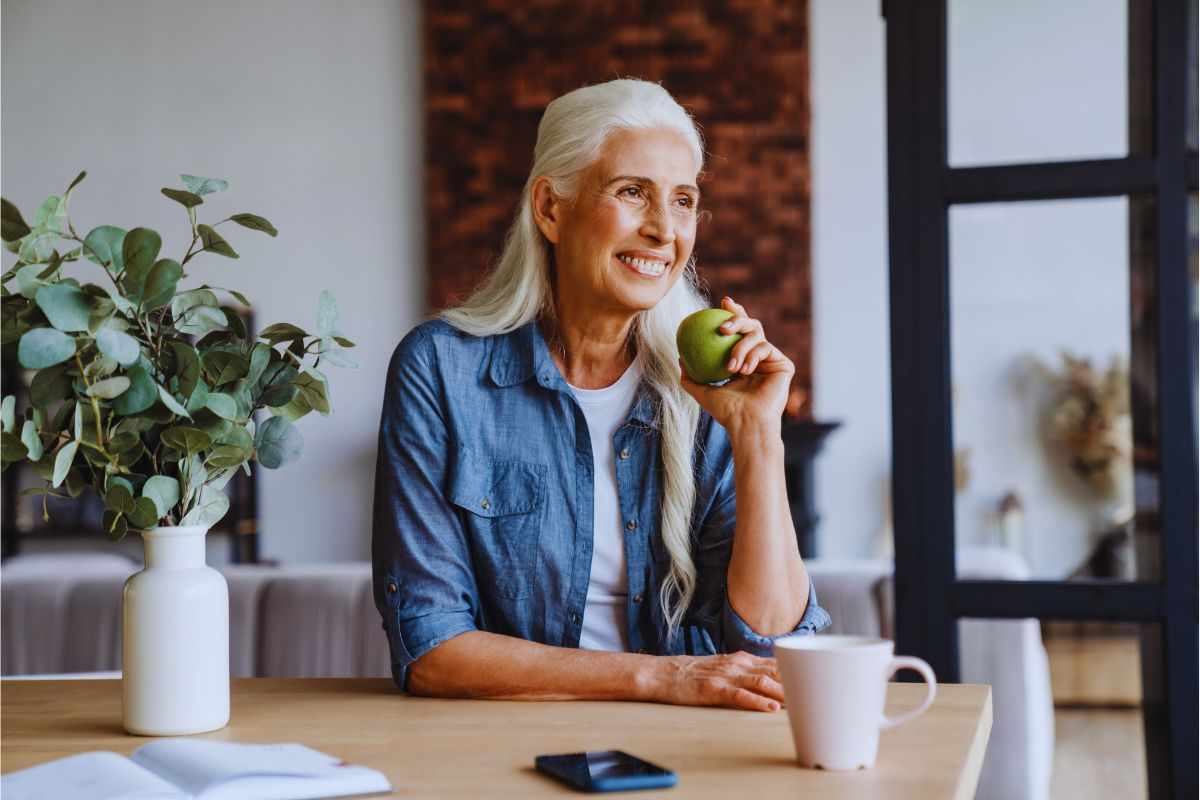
{"points": [[502, 505]]}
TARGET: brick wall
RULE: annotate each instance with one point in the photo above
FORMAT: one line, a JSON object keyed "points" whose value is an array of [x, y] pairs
{"points": [[740, 68]]}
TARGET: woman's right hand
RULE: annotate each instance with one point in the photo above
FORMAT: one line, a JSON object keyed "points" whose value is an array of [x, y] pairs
{"points": [[734, 680]]}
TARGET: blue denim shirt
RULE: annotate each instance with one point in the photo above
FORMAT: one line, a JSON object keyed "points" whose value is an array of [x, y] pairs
{"points": [[483, 505]]}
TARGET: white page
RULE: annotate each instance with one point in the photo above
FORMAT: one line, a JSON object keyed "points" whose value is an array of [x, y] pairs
{"points": [[198, 764], [87, 776]]}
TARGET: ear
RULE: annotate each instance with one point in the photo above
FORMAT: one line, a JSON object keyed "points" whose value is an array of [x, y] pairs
{"points": [[546, 208]]}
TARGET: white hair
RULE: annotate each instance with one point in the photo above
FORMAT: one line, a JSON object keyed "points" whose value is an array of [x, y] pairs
{"points": [[519, 289]]}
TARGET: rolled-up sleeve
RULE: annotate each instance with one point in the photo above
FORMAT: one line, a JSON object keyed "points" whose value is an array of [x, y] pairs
{"points": [[423, 582], [729, 631]]}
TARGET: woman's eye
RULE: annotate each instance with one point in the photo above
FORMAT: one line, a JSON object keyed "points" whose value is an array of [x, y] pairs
{"points": [[686, 202], [635, 189]]}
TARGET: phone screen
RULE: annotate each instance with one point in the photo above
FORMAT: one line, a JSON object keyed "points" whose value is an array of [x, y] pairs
{"points": [[605, 769]]}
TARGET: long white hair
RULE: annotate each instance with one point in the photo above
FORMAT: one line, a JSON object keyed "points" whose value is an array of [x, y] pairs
{"points": [[519, 289]]}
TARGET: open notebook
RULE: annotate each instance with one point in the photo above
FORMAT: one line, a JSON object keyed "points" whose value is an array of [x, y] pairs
{"points": [[181, 769]]}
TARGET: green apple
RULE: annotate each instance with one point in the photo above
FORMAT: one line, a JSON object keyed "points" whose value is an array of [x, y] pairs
{"points": [[704, 349]]}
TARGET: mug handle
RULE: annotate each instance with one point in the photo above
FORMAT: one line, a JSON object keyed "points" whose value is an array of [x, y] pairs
{"points": [[909, 662]]}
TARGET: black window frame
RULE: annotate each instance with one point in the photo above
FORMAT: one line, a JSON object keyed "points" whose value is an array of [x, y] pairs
{"points": [[922, 187]]}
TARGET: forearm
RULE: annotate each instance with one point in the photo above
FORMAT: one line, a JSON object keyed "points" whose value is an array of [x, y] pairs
{"points": [[767, 584], [487, 665]]}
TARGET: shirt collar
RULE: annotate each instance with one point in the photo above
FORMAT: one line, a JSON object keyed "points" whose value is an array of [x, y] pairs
{"points": [[523, 353]]}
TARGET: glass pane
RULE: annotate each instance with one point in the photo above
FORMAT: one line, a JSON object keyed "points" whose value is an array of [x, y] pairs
{"points": [[1070, 714], [1056, 463], [1036, 80]]}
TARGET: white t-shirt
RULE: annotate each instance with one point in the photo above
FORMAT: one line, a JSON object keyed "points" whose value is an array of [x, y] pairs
{"points": [[604, 624]]}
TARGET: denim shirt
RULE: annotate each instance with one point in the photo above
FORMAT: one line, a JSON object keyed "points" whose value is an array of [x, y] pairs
{"points": [[483, 506]]}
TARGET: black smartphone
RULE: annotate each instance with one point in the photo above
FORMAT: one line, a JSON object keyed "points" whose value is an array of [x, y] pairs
{"points": [[605, 771]]}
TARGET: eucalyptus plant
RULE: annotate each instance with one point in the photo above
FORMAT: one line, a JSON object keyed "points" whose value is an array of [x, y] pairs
{"points": [[143, 392]]}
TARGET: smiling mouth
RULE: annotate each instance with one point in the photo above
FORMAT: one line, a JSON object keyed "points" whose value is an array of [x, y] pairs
{"points": [[646, 267]]}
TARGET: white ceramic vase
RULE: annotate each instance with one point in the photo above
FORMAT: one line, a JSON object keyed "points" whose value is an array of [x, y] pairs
{"points": [[175, 638]]}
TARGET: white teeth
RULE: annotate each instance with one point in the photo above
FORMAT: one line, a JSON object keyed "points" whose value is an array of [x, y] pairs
{"points": [[652, 268]]}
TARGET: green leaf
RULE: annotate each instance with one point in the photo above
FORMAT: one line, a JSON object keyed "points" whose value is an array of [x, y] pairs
{"points": [[296, 408], [255, 222], [78, 180], [44, 347], [281, 332], [213, 242], [223, 366], [222, 405], [109, 388], [144, 514], [101, 368], [121, 347], [139, 250], [142, 393], [28, 281], [49, 386], [115, 526], [8, 413], [12, 226], [327, 314], [332, 354], [161, 284], [170, 402], [164, 491], [123, 441], [198, 398], [119, 497], [62, 462], [241, 298], [188, 199], [202, 186], [105, 246], [225, 456], [51, 216], [66, 306], [278, 442], [78, 420], [277, 384], [211, 506], [260, 357], [344, 342], [31, 440], [315, 391], [187, 367], [37, 246], [187, 440], [12, 448]]}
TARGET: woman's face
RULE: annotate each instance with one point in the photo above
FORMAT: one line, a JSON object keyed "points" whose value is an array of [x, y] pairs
{"points": [[624, 240]]}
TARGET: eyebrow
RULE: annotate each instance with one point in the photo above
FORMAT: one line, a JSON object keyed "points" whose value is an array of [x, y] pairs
{"points": [[645, 180]]}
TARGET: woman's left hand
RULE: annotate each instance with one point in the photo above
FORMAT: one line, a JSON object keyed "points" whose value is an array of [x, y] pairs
{"points": [[758, 392]]}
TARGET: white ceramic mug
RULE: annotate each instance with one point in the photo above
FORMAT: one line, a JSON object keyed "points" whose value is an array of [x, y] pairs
{"points": [[835, 689]]}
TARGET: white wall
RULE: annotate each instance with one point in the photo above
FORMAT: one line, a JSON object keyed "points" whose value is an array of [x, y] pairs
{"points": [[1028, 80], [312, 111]]}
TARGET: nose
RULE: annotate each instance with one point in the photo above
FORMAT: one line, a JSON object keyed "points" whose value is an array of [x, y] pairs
{"points": [[658, 224]]}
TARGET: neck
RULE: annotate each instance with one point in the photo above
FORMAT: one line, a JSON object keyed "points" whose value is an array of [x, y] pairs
{"points": [[591, 352]]}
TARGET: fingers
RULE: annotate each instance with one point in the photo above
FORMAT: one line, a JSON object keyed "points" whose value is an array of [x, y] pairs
{"points": [[739, 697]]}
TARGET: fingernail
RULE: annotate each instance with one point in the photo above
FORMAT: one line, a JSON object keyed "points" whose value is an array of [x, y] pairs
{"points": [[774, 706], [732, 364]]}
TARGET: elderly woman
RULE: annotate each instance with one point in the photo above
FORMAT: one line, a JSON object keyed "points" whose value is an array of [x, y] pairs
{"points": [[556, 502]]}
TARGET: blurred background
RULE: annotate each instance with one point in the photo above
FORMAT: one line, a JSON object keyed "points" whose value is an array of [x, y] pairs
{"points": [[388, 141]]}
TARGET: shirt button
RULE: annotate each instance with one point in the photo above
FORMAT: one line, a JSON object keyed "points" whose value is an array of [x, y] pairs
{"points": [[575, 619], [485, 503], [631, 524], [391, 587], [625, 453], [637, 598]]}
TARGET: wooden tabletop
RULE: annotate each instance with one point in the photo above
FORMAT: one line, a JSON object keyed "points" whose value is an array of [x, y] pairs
{"points": [[475, 748]]}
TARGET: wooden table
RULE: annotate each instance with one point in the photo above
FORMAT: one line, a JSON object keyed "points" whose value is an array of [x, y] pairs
{"points": [[485, 748]]}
